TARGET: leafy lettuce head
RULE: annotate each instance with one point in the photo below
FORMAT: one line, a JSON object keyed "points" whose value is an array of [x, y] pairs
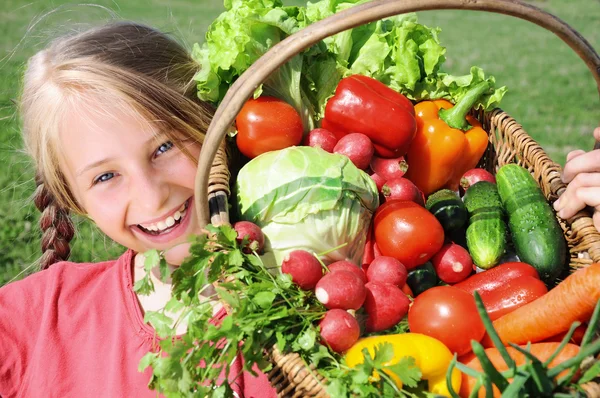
{"points": [[309, 199]]}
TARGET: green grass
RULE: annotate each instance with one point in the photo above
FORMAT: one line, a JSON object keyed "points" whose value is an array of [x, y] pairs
{"points": [[551, 92]]}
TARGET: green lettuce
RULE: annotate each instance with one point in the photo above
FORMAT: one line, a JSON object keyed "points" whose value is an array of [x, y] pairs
{"points": [[397, 51], [239, 37], [309, 199]]}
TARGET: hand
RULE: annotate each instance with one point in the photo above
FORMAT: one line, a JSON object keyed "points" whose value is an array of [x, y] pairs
{"points": [[582, 174]]}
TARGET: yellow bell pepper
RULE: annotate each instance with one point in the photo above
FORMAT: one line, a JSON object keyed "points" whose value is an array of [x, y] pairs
{"points": [[431, 356]]}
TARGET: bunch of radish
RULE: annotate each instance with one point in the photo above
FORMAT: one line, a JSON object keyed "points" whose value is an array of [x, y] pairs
{"points": [[344, 288], [388, 174]]}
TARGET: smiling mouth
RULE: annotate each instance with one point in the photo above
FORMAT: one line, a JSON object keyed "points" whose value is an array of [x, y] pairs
{"points": [[168, 224]]}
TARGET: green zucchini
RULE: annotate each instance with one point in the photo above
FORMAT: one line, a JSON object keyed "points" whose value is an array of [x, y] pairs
{"points": [[448, 208], [537, 237], [486, 233], [421, 278]]}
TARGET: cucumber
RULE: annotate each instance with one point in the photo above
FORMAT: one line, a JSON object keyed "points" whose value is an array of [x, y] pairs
{"points": [[447, 207], [486, 233], [421, 278], [537, 237]]}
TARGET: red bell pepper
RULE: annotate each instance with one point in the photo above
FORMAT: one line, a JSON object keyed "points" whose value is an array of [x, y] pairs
{"points": [[364, 105]]}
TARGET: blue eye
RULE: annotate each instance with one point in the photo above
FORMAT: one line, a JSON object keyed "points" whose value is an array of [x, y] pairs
{"points": [[103, 178], [164, 148]]}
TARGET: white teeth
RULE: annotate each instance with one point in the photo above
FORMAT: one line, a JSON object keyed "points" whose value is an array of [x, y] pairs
{"points": [[169, 221]]}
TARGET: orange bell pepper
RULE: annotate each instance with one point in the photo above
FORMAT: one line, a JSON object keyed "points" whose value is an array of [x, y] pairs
{"points": [[447, 143]]}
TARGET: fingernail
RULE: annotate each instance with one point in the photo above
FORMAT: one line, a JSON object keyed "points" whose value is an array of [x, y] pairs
{"points": [[557, 204]]}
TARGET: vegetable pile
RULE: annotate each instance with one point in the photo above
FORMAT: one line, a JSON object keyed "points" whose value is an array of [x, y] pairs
{"points": [[367, 240]]}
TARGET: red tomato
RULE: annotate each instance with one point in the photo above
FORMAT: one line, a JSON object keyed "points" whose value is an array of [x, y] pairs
{"points": [[512, 295], [408, 232], [449, 315], [267, 124]]}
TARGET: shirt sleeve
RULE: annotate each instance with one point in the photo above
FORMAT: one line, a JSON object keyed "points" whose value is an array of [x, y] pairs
{"points": [[257, 386], [21, 309]]}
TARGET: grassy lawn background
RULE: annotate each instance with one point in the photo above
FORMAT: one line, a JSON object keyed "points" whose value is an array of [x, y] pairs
{"points": [[551, 92]]}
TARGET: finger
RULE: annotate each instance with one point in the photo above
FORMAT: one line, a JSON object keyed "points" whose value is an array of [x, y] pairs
{"points": [[597, 133], [573, 154], [569, 203], [581, 180], [177, 254], [582, 197], [586, 163]]}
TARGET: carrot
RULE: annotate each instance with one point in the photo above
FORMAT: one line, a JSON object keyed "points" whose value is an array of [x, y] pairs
{"points": [[571, 300], [575, 339], [542, 351]]}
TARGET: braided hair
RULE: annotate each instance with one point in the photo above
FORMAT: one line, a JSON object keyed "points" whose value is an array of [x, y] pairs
{"points": [[147, 71], [56, 225]]}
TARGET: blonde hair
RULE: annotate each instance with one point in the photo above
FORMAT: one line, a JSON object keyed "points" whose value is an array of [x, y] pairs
{"points": [[138, 66]]}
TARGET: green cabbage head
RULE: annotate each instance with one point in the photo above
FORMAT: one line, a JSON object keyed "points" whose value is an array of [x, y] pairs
{"points": [[306, 198]]}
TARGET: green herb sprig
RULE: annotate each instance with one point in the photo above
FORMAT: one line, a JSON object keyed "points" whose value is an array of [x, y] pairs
{"points": [[265, 309]]}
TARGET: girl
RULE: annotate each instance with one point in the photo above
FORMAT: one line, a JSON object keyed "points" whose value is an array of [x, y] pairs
{"points": [[111, 119]]}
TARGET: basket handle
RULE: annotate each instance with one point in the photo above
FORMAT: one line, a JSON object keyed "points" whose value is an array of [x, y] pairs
{"points": [[279, 54]]}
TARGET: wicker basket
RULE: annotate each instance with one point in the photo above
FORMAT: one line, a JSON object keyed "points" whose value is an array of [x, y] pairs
{"points": [[508, 143]]}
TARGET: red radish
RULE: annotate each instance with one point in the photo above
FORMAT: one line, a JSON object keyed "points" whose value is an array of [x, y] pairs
{"points": [[348, 266], [379, 181], [386, 269], [321, 138], [385, 306], [304, 267], [339, 330], [357, 147], [452, 263], [475, 175], [402, 189], [389, 168], [341, 289], [256, 239]]}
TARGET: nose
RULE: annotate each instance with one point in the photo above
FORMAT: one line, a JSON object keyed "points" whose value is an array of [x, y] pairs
{"points": [[148, 190]]}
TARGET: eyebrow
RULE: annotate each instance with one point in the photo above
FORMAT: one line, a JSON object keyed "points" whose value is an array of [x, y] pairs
{"points": [[100, 162], [92, 165]]}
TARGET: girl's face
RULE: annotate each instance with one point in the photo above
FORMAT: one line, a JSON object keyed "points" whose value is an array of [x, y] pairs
{"points": [[132, 181]]}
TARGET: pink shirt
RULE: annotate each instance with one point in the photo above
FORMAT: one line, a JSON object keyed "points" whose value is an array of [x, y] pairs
{"points": [[77, 330]]}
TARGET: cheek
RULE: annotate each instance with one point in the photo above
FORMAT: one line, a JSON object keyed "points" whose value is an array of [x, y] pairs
{"points": [[182, 170], [107, 206], [107, 212]]}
